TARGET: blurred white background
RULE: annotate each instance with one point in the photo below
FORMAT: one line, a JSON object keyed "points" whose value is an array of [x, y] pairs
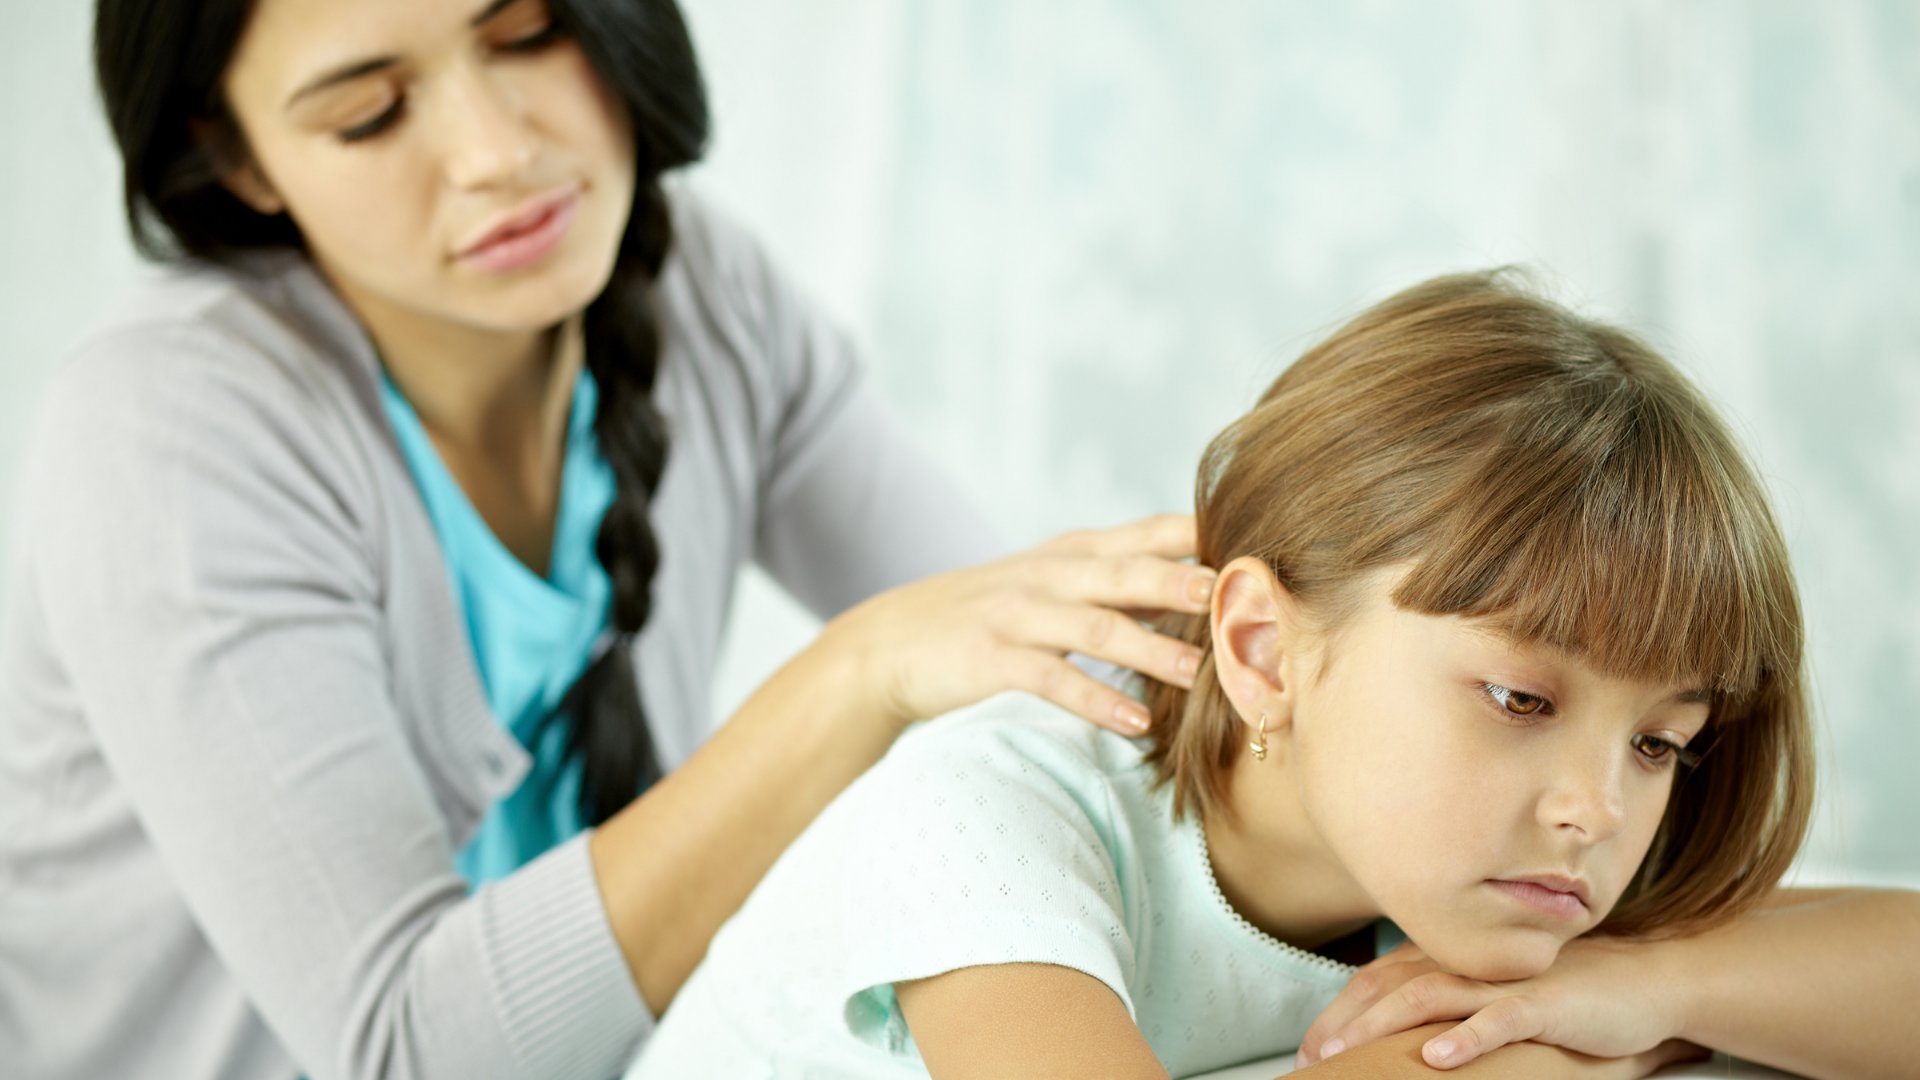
{"points": [[1075, 238]]}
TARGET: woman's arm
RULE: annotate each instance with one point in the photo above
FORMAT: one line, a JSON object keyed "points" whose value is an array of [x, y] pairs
{"points": [[679, 861]]}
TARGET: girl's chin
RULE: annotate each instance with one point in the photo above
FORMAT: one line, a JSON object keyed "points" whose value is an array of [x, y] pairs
{"points": [[1503, 956]]}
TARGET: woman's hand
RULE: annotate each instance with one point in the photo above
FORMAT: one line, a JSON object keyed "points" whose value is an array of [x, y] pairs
{"points": [[1604, 997], [959, 637]]}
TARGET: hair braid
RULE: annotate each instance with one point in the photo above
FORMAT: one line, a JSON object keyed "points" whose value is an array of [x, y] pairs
{"points": [[608, 721]]}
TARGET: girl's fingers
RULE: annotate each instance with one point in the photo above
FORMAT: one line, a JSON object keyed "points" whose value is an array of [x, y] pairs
{"points": [[1420, 1000], [1506, 1020], [1672, 1052], [1105, 634], [1053, 678], [1371, 983]]}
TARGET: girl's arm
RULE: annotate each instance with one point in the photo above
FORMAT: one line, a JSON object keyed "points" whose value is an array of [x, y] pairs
{"points": [[985, 1023], [1815, 982], [1398, 1055], [1820, 983], [1002, 1020]]}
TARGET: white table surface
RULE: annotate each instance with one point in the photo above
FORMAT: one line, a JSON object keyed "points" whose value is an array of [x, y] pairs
{"points": [[1720, 1067]]}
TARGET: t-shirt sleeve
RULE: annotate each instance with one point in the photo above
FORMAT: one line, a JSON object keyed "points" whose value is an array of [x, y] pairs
{"points": [[848, 505], [985, 843], [212, 589]]}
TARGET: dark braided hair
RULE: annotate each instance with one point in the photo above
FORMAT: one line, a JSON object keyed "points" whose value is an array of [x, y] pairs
{"points": [[160, 64]]}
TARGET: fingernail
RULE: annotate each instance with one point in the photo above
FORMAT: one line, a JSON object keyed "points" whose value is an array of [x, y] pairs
{"points": [[1132, 717], [1330, 1048], [1190, 665], [1200, 587], [1442, 1049]]}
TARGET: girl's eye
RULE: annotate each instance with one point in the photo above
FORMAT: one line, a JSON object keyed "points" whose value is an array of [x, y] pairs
{"points": [[374, 126], [1663, 752], [1515, 702]]}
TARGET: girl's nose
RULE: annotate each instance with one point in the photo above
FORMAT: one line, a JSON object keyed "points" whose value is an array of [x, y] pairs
{"points": [[484, 127], [1588, 797]]}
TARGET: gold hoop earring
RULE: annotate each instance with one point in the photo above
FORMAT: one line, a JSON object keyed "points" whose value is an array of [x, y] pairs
{"points": [[1259, 745]]}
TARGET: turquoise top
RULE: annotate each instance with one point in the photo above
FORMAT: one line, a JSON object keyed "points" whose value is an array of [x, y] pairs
{"points": [[531, 636]]}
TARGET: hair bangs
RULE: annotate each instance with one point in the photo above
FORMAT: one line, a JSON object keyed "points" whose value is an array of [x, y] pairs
{"points": [[1620, 539]]}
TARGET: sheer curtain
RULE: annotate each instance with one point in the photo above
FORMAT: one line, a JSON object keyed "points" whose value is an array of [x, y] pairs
{"points": [[1077, 237]]}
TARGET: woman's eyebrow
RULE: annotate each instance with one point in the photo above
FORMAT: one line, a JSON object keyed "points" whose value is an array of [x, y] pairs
{"points": [[349, 72], [343, 73], [490, 11]]}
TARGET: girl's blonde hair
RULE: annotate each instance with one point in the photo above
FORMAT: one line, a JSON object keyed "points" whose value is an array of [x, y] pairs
{"points": [[1561, 481]]}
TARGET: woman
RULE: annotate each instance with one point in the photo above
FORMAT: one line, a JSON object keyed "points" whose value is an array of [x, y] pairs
{"points": [[368, 573]]}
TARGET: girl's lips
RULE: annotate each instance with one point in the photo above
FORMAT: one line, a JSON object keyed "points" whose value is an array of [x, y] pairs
{"points": [[1555, 902], [526, 238]]}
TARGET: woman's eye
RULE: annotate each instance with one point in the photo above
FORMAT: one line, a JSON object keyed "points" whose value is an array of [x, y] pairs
{"points": [[1515, 702], [375, 126], [533, 42]]}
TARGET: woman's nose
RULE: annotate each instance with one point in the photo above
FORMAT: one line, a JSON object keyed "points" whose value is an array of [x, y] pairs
{"points": [[488, 140]]}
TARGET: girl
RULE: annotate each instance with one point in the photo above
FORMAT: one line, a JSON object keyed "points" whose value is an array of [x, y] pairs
{"points": [[1505, 652], [325, 651]]}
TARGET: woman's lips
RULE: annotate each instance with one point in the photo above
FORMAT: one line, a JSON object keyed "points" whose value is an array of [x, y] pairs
{"points": [[527, 236], [1559, 903]]}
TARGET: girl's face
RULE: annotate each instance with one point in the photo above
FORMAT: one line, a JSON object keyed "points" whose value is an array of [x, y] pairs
{"points": [[1494, 801], [454, 161]]}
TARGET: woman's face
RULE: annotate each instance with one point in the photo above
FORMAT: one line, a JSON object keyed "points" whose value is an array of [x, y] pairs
{"points": [[456, 161], [1492, 800]]}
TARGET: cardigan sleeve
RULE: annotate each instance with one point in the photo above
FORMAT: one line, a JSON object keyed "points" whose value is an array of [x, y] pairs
{"points": [[213, 588], [847, 505]]}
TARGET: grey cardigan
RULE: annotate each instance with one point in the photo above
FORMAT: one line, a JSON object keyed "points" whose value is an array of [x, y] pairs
{"points": [[241, 731]]}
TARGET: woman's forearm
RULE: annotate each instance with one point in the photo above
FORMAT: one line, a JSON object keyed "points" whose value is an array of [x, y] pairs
{"points": [[682, 858], [1822, 984], [678, 862]]}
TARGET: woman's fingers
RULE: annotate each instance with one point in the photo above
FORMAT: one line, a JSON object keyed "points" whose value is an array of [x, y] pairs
{"points": [[1371, 983], [1053, 678], [1423, 999], [963, 636], [1127, 582], [1170, 536], [1108, 635], [1504, 1020]]}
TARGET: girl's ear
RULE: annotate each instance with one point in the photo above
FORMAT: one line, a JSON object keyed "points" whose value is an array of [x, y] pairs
{"points": [[1257, 638], [233, 163]]}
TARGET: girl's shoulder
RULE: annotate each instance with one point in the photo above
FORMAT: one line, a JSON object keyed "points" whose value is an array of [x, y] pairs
{"points": [[1018, 741]]}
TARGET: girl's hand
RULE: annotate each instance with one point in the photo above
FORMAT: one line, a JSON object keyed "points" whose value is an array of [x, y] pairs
{"points": [[959, 637], [1603, 997]]}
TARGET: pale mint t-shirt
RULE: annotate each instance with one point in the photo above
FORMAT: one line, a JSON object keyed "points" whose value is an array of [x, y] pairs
{"points": [[531, 635], [1008, 832]]}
